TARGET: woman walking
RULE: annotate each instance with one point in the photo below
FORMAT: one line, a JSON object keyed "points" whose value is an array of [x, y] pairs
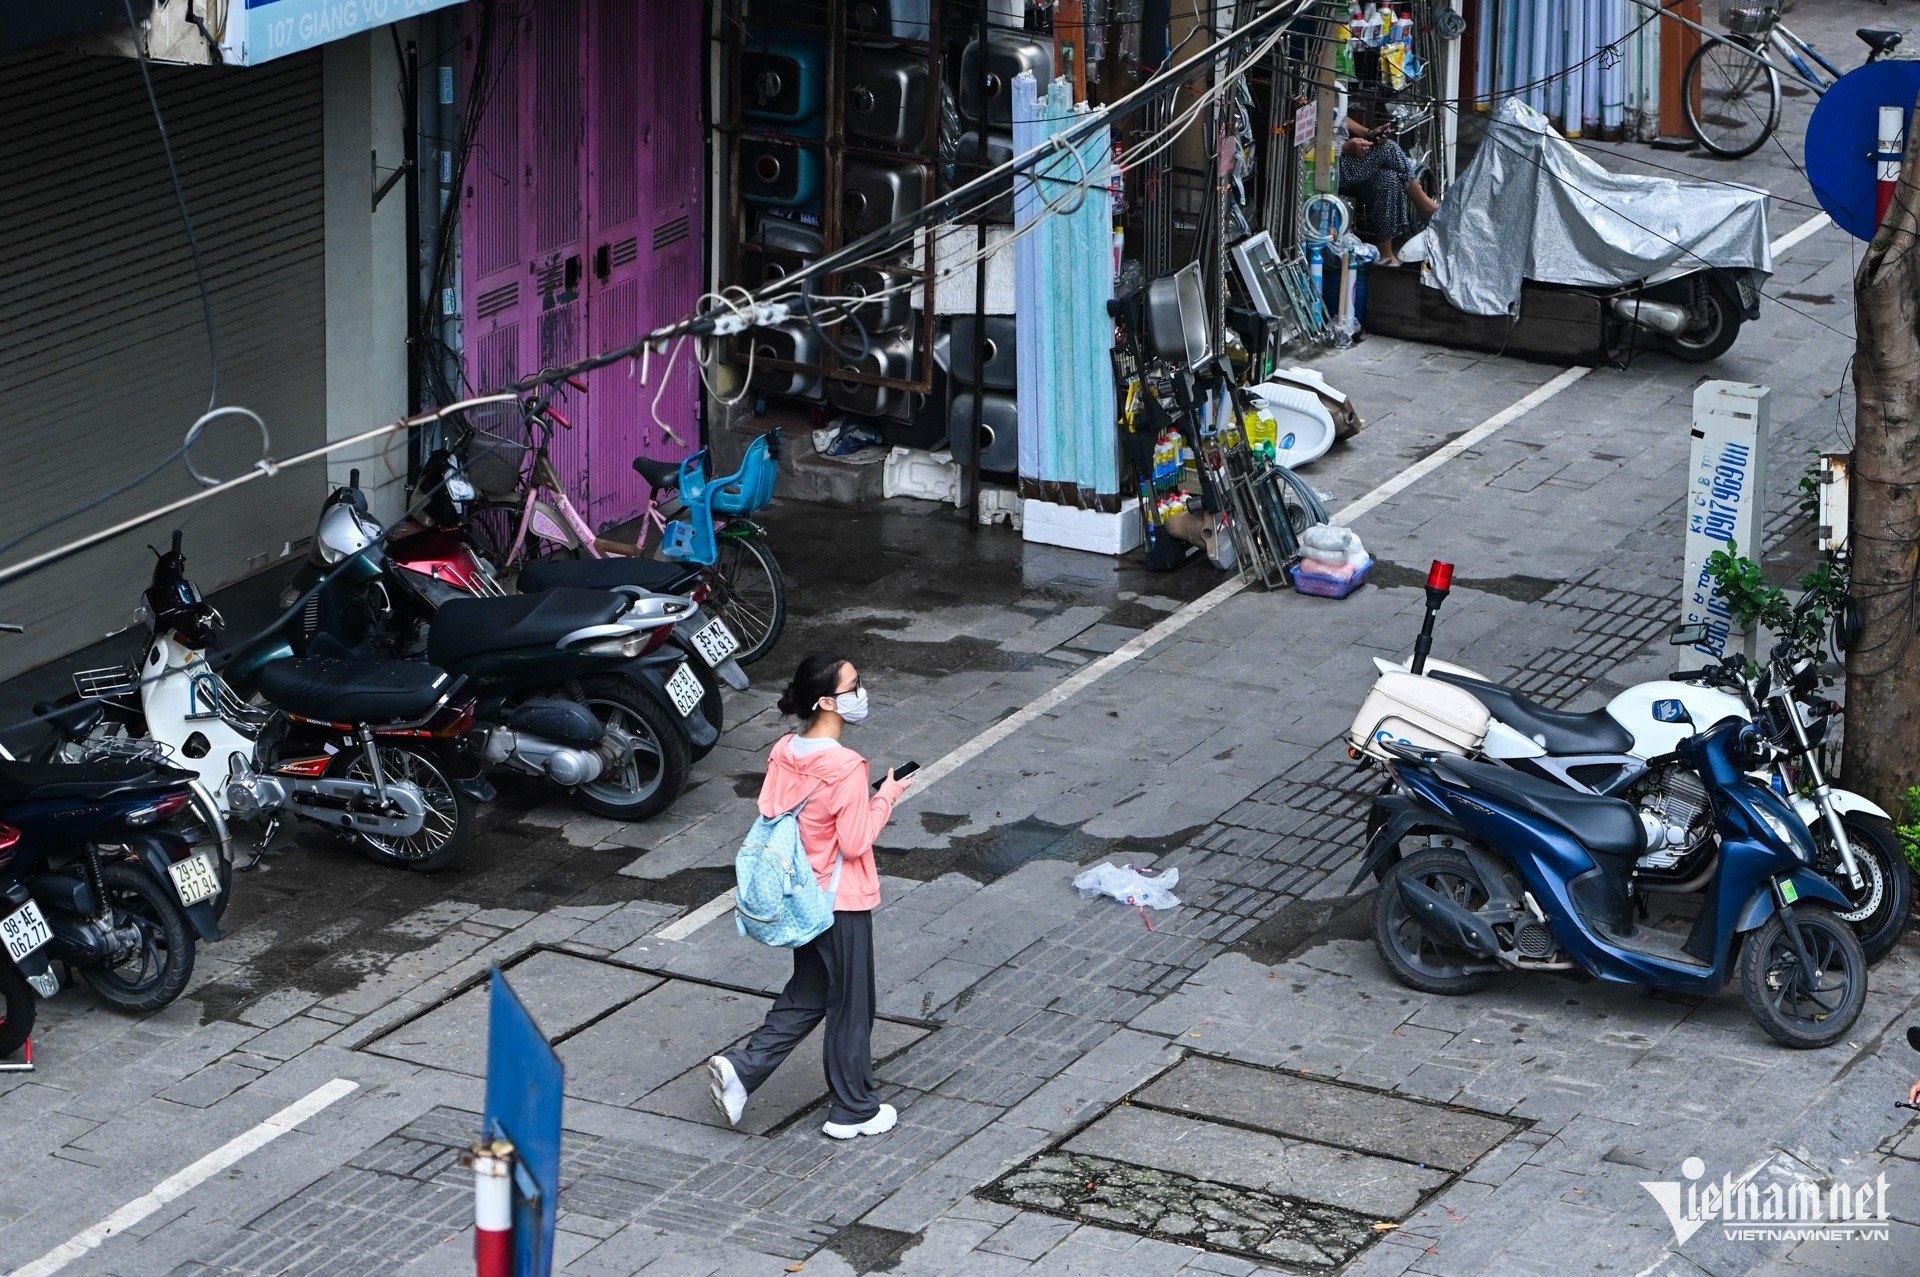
{"points": [[833, 973]]}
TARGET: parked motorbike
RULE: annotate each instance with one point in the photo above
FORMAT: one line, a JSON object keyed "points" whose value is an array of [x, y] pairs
{"points": [[437, 565], [91, 875], [573, 686], [1629, 750], [1509, 872], [729, 588], [362, 746]]}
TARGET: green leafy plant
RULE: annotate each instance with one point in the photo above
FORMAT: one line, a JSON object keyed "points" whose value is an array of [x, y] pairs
{"points": [[1809, 490], [1753, 599], [1909, 828]]}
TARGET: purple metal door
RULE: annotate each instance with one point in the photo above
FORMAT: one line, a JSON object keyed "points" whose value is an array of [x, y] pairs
{"points": [[604, 103]]}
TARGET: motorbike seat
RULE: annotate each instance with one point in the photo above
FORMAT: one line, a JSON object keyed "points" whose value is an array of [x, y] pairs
{"points": [[606, 574], [1878, 39], [465, 628], [355, 691], [108, 778], [1605, 825], [75, 721], [1556, 731], [663, 475]]}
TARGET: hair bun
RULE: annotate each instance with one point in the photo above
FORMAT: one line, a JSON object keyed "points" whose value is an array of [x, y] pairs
{"points": [[790, 700]]}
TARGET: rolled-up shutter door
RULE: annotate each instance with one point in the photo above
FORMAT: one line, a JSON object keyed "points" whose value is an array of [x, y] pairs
{"points": [[103, 355]]}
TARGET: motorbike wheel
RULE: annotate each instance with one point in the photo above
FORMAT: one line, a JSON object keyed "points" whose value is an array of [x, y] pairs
{"points": [[657, 765], [1714, 334], [1416, 958], [158, 969], [1797, 1008], [752, 597], [1879, 909], [449, 825], [18, 1007]]}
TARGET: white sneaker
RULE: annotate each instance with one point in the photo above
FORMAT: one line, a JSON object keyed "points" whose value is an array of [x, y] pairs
{"points": [[879, 1124], [728, 1095]]}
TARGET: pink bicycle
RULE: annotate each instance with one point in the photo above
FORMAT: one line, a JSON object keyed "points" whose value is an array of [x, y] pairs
{"points": [[706, 531]]}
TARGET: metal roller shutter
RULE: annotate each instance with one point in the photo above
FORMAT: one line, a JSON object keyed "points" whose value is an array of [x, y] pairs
{"points": [[103, 357]]}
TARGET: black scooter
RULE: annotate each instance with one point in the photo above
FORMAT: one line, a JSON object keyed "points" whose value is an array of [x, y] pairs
{"points": [[576, 686], [90, 875]]}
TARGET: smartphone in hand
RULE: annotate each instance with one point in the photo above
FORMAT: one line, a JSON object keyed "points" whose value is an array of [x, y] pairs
{"points": [[901, 772]]}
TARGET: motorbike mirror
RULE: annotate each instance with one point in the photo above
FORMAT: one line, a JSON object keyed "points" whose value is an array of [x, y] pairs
{"points": [[1689, 636], [1913, 1037]]}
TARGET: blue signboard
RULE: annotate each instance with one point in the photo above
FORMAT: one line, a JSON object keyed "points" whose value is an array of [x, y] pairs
{"points": [[525, 1083], [1844, 133], [266, 29]]}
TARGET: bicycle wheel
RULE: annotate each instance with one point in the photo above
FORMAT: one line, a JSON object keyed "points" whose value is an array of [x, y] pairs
{"points": [[1731, 98], [752, 595]]}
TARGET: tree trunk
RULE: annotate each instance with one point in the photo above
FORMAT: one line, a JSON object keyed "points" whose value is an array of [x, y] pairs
{"points": [[1882, 757]]}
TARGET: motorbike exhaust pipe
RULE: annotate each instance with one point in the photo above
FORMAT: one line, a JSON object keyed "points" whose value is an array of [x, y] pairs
{"points": [[1447, 920], [1662, 317]]}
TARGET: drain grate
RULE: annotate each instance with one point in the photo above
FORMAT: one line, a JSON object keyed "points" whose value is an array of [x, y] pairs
{"points": [[1274, 1167]]}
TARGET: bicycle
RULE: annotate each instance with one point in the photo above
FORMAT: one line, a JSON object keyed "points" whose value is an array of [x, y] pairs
{"points": [[703, 524], [1731, 90]]}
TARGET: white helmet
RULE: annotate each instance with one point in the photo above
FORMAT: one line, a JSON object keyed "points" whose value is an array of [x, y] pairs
{"points": [[343, 532]]}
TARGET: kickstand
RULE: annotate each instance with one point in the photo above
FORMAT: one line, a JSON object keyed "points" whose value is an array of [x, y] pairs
{"points": [[260, 848]]}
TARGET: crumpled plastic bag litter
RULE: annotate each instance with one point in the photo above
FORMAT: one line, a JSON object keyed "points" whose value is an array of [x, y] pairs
{"points": [[1129, 886]]}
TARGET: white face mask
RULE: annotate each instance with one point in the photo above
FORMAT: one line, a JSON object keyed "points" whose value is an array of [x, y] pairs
{"points": [[851, 706]]}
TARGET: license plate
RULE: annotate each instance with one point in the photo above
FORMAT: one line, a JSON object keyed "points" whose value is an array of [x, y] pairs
{"points": [[194, 878], [684, 689], [24, 930], [715, 642]]}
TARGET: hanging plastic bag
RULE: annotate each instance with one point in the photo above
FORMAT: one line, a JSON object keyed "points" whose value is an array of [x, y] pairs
{"points": [[1130, 886]]}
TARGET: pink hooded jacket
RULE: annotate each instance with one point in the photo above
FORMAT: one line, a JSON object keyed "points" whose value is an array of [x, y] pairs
{"points": [[840, 815]]}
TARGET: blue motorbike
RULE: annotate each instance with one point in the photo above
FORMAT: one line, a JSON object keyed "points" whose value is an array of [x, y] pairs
{"points": [[1483, 869]]}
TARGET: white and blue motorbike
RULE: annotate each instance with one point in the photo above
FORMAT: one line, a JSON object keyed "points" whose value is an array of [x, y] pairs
{"points": [[1628, 749]]}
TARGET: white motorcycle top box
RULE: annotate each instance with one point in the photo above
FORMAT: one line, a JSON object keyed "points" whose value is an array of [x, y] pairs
{"points": [[1410, 710]]}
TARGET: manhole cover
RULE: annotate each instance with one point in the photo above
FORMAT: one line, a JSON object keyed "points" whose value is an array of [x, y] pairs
{"points": [[1276, 1167]]}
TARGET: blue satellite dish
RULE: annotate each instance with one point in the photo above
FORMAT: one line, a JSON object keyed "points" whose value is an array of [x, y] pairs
{"points": [[1843, 135]]}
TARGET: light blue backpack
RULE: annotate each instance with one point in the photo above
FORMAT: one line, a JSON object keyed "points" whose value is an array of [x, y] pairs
{"points": [[777, 900]]}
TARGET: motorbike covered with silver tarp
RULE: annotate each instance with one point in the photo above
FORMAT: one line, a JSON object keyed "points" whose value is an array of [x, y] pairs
{"points": [[1683, 259]]}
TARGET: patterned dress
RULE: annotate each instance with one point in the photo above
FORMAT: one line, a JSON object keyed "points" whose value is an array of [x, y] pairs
{"points": [[1377, 183]]}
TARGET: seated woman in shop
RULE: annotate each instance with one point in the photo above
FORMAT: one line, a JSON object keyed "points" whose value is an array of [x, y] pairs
{"points": [[1380, 178]]}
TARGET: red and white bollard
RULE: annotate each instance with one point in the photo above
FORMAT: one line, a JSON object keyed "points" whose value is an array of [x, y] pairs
{"points": [[493, 1209], [1893, 149], [22, 1065]]}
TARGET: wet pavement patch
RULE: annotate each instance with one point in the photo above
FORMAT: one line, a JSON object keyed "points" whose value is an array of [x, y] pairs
{"points": [[689, 888], [992, 854], [1277, 1167], [630, 1037], [1518, 587], [868, 1249]]}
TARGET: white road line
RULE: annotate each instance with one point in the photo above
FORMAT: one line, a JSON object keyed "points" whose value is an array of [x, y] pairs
{"points": [[1137, 646], [182, 1182], [686, 924], [1813, 225]]}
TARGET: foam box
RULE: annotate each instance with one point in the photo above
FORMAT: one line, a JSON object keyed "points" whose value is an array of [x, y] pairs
{"points": [[926, 476], [1077, 529]]}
